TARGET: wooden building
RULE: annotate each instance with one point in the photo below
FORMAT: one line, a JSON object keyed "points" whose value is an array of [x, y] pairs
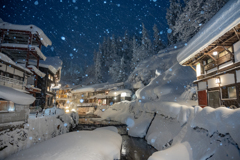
{"points": [[214, 53], [24, 42]]}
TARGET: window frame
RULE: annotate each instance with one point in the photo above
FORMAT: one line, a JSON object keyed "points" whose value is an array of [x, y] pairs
{"points": [[228, 93], [8, 106]]}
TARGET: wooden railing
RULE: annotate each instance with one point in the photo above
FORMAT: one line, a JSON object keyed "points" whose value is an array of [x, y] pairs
{"points": [[11, 82], [220, 61]]}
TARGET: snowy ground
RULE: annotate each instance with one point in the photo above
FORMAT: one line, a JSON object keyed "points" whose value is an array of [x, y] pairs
{"points": [[100, 144]]}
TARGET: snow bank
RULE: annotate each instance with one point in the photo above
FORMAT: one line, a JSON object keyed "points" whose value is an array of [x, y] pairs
{"points": [[207, 133], [171, 80], [15, 96], [35, 131], [100, 144]]}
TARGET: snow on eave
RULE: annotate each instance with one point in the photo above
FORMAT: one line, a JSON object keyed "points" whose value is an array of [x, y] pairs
{"points": [[31, 28], [39, 53], [227, 18], [15, 96], [37, 71], [119, 91], [8, 60]]}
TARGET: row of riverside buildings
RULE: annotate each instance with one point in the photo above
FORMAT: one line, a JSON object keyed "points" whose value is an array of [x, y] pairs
{"points": [[27, 76]]}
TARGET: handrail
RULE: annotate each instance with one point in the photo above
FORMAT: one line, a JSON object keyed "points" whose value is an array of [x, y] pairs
{"points": [[12, 81]]}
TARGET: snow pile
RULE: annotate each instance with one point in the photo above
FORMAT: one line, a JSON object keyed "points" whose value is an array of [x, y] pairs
{"points": [[207, 134], [171, 80], [100, 144], [35, 131], [15, 96], [125, 112], [54, 111]]}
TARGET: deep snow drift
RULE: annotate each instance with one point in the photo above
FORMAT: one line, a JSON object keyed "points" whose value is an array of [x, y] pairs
{"points": [[35, 131], [100, 144]]}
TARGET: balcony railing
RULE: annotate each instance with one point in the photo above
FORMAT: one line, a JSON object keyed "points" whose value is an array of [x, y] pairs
{"points": [[220, 61], [11, 82]]}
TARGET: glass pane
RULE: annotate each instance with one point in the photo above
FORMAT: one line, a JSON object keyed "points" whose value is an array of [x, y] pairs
{"points": [[11, 107], [213, 99], [232, 92], [3, 106]]}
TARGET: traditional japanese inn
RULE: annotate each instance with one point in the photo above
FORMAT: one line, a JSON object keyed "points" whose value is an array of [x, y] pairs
{"points": [[214, 54]]}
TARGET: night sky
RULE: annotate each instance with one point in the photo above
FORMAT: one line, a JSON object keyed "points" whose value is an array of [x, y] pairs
{"points": [[77, 26]]}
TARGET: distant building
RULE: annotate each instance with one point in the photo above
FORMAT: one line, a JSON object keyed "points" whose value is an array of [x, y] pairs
{"points": [[214, 54], [88, 97]]}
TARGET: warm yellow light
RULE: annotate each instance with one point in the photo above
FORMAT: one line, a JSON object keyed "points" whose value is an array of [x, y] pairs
{"points": [[67, 111], [215, 53], [73, 110], [217, 80], [198, 69]]}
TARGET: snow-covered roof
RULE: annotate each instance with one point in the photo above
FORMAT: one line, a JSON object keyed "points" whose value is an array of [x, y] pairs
{"points": [[35, 48], [6, 59], [56, 62], [50, 64], [97, 87], [117, 92], [32, 87], [31, 28], [15, 96], [227, 18], [37, 71]]}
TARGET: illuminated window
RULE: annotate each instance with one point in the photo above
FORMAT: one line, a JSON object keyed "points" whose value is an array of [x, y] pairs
{"points": [[198, 69], [7, 106], [229, 92], [48, 89]]}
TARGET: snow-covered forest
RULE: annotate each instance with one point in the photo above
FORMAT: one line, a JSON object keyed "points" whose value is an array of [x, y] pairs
{"points": [[117, 57]]}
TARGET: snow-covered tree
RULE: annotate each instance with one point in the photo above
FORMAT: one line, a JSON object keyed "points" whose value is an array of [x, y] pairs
{"points": [[186, 22], [175, 9], [157, 41], [98, 66], [114, 70], [122, 74], [146, 42]]}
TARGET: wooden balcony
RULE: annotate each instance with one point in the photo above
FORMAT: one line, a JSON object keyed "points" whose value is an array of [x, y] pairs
{"points": [[11, 82], [220, 61]]}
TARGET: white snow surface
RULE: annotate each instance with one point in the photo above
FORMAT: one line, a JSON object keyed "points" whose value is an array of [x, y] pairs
{"points": [[15, 96], [227, 18], [119, 91], [167, 86], [32, 28], [32, 47], [97, 87], [100, 144], [180, 131], [5, 58], [37, 71], [35, 131]]}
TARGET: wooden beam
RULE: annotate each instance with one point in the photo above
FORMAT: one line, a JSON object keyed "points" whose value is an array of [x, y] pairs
{"points": [[193, 68], [210, 56], [236, 33]]}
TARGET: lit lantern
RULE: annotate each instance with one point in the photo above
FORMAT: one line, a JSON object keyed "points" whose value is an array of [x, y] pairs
{"points": [[215, 53], [217, 80]]}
